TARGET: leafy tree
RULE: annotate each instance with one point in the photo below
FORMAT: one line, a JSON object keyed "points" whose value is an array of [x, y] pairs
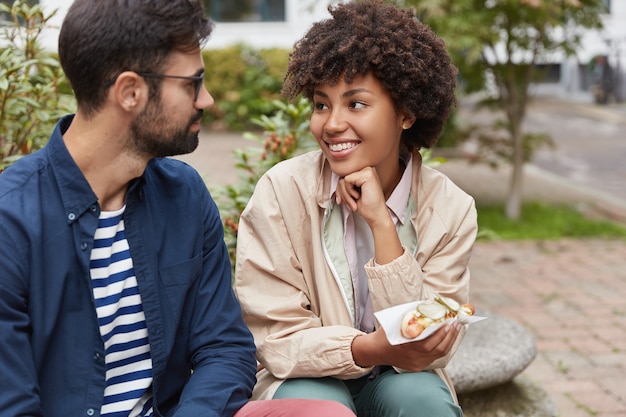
{"points": [[504, 42], [30, 100]]}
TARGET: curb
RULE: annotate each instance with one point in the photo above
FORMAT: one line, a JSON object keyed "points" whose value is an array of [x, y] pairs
{"points": [[611, 113], [602, 203]]}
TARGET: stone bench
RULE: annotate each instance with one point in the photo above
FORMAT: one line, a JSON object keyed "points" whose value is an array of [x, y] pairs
{"points": [[493, 351], [486, 367]]}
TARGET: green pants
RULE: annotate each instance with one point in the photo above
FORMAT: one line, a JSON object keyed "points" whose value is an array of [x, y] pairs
{"points": [[416, 394]]}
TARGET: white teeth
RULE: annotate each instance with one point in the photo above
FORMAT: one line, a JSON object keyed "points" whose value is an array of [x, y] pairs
{"points": [[336, 147]]}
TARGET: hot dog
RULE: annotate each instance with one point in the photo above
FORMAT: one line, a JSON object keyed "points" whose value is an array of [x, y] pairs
{"points": [[432, 312]]}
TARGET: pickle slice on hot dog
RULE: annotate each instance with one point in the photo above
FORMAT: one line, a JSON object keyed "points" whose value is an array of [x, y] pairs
{"points": [[432, 312]]}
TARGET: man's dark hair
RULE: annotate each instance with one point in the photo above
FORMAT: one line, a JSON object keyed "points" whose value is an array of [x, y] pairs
{"points": [[101, 39], [406, 56]]}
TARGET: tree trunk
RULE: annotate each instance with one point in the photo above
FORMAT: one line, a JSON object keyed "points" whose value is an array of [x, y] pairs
{"points": [[513, 209], [515, 99]]}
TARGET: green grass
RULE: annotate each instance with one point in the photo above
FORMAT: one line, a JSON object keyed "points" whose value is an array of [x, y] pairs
{"points": [[542, 221]]}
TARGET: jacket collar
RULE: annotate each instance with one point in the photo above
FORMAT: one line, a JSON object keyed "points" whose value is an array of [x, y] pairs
{"points": [[75, 191]]}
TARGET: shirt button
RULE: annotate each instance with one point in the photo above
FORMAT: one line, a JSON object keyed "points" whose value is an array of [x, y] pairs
{"points": [[93, 208], [96, 356], [71, 217], [90, 412], [83, 245]]}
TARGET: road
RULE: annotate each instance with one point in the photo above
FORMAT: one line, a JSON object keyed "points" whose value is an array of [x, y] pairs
{"points": [[591, 144], [590, 141]]}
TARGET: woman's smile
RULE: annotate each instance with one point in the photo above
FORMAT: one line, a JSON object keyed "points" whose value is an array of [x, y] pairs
{"points": [[342, 147]]}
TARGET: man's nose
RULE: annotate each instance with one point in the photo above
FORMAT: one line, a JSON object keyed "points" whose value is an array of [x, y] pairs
{"points": [[205, 99]]}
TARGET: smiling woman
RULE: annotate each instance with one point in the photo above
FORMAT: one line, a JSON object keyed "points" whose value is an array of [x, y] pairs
{"points": [[331, 236]]}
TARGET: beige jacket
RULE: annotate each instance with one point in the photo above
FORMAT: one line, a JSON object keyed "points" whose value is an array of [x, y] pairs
{"points": [[294, 287]]}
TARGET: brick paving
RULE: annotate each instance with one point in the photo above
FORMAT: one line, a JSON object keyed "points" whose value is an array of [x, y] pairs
{"points": [[571, 294]]}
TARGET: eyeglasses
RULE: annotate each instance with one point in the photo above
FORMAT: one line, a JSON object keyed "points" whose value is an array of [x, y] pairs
{"points": [[198, 80]]}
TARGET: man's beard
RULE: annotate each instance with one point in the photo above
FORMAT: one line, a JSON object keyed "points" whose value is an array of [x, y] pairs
{"points": [[154, 135]]}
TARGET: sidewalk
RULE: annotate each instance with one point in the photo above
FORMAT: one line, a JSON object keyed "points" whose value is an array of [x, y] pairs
{"points": [[570, 293]]}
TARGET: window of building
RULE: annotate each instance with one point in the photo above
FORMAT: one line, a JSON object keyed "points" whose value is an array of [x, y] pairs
{"points": [[246, 10], [607, 6]]}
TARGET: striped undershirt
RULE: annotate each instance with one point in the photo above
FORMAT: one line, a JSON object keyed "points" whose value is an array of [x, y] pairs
{"points": [[122, 321]]}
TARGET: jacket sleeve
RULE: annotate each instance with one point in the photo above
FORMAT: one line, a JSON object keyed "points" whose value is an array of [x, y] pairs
{"points": [[276, 297], [18, 395], [220, 345], [447, 222], [446, 226]]}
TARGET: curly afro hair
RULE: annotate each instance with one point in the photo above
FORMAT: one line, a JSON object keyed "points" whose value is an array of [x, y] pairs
{"points": [[405, 55]]}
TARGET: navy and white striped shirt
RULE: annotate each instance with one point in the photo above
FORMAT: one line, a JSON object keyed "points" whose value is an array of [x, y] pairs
{"points": [[121, 320]]}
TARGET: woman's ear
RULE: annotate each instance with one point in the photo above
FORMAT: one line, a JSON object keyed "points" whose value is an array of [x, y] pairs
{"points": [[130, 91], [407, 122], [406, 118]]}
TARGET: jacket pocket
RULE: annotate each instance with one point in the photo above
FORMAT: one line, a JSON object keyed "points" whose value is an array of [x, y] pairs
{"points": [[182, 273], [177, 280]]}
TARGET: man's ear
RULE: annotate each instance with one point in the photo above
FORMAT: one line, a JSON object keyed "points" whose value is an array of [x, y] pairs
{"points": [[130, 91]]}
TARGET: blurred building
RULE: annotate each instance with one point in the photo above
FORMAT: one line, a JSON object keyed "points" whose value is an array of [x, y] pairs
{"points": [[279, 23], [259, 23], [601, 61]]}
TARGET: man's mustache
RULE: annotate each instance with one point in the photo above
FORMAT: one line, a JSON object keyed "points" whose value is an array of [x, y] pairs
{"points": [[198, 116]]}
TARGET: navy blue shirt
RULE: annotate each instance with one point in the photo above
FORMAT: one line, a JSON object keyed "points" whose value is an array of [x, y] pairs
{"points": [[51, 351]]}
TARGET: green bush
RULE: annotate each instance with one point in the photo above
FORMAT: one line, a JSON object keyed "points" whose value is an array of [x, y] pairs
{"points": [[30, 100], [243, 81]]}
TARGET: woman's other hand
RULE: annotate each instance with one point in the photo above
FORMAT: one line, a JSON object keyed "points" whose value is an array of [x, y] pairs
{"points": [[374, 349]]}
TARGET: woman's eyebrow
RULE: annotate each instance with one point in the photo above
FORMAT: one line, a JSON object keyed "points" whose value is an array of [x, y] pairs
{"points": [[348, 93], [355, 91]]}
